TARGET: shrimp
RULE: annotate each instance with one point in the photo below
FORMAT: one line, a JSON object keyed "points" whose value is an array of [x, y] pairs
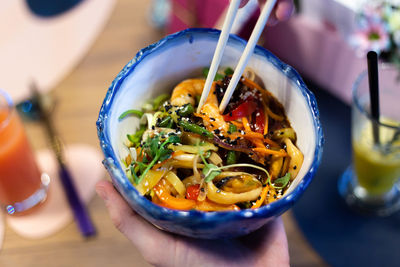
{"points": [[186, 91]]}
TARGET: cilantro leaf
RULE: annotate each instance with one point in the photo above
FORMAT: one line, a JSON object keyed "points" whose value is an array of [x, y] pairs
{"points": [[281, 182], [210, 171], [153, 145], [157, 151]]}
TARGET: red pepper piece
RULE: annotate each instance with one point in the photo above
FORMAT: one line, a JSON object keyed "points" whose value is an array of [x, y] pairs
{"points": [[243, 110], [192, 191]]}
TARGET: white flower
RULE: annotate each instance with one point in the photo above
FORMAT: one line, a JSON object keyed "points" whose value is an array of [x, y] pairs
{"points": [[372, 36]]}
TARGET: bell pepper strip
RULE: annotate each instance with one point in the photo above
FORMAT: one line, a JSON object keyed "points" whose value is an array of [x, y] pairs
{"points": [[193, 191], [172, 202], [243, 110]]}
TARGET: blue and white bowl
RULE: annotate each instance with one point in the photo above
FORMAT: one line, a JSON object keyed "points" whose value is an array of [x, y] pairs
{"points": [[157, 69]]}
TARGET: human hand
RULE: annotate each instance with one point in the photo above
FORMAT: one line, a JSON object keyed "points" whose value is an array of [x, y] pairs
{"points": [[264, 247], [283, 10]]}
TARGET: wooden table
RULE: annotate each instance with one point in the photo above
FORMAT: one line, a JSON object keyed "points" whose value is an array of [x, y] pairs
{"points": [[79, 97]]}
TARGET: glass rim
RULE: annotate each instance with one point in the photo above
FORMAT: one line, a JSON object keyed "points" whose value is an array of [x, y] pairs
{"points": [[10, 106], [356, 85]]}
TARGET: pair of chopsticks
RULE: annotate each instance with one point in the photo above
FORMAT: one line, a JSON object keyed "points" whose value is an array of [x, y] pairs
{"points": [[248, 51]]}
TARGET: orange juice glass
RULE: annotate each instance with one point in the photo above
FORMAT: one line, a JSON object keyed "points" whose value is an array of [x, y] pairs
{"points": [[22, 186]]}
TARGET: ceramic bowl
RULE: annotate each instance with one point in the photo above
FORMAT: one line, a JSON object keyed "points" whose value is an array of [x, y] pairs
{"points": [[157, 69]]}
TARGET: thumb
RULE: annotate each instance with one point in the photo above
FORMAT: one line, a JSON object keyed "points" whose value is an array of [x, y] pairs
{"points": [[144, 236]]}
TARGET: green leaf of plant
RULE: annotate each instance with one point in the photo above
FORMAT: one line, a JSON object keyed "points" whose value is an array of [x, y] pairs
{"points": [[281, 182], [210, 171]]}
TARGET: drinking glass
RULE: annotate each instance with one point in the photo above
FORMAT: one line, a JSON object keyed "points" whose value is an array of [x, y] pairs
{"points": [[371, 184], [22, 185]]}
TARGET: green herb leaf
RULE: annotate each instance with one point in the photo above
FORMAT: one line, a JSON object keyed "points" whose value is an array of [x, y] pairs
{"points": [[281, 182], [154, 146], [135, 112], [158, 151], [210, 171]]}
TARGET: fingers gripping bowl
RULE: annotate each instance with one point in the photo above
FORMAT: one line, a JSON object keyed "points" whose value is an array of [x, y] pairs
{"points": [[156, 70]]}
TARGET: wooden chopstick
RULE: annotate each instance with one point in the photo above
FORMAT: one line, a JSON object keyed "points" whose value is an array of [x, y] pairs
{"points": [[248, 51], [219, 51]]}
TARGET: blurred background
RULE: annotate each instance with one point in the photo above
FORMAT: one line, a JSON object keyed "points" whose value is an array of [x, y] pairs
{"points": [[74, 49]]}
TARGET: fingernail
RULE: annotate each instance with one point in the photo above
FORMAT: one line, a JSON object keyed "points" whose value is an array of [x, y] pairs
{"points": [[100, 191]]}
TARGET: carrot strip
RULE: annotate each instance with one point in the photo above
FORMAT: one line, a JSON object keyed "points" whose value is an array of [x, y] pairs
{"points": [[246, 125], [266, 117], [261, 198], [258, 143], [260, 136]]}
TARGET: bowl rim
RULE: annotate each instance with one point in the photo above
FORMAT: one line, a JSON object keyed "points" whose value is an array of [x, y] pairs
{"points": [[266, 211]]}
